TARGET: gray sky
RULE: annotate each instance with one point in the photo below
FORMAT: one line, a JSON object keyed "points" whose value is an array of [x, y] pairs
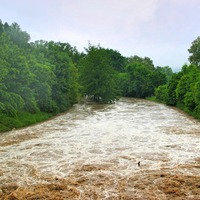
{"points": [[162, 30]]}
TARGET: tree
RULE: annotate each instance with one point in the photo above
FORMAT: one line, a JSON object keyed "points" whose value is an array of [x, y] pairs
{"points": [[159, 77], [184, 96], [141, 77], [196, 95], [140, 82], [18, 36], [1, 27], [123, 83], [144, 61], [117, 61], [17, 76], [194, 50], [42, 84], [98, 78], [65, 91], [167, 71], [161, 93]]}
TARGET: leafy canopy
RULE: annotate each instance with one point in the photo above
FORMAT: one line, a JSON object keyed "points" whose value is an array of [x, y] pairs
{"points": [[98, 77]]}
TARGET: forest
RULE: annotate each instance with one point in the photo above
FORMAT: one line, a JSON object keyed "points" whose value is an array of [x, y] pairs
{"points": [[41, 79]]}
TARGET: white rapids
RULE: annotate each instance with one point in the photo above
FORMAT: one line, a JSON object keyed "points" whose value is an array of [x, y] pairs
{"points": [[117, 135]]}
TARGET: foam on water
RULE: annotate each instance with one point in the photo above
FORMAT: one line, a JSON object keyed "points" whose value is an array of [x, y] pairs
{"points": [[113, 137]]}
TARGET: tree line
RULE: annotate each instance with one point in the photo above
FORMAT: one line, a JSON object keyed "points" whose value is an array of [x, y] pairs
{"points": [[183, 90], [37, 79], [43, 78]]}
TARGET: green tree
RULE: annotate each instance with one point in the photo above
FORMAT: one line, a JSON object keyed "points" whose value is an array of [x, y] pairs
{"points": [[141, 78], [40, 76], [194, 50], [158, 77], [196, 96], [161, 93], [42, 84], [65, 91], [17, 77], [172, 85], [147, 62], [167, 71], [140, 84], [98, 78], [184, 96], [117, 61], [123, 83], [1, 27], [18, 36]]}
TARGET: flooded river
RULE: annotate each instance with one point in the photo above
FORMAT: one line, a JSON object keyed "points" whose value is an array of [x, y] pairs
{"points": [[133, 149]]}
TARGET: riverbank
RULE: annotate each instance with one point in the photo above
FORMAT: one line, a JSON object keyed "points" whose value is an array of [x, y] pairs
{"points": [[22, 120], [25, 119], [181, 109]]}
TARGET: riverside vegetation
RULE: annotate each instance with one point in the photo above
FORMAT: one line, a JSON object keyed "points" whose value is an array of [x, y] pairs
{"points": [[43, 78]]}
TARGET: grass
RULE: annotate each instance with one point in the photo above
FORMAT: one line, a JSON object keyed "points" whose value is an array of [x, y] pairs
{"points": [[22, 120], [152, 98]]}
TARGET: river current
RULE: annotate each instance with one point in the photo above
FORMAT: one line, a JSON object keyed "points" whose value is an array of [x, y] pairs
{"points": [[109, 139]]}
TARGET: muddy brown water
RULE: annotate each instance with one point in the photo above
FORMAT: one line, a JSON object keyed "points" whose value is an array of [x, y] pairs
{"points": [[92, 152]]}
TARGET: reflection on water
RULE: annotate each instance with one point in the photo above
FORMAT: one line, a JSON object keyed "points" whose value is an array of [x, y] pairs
{"points": [[110, 138]]}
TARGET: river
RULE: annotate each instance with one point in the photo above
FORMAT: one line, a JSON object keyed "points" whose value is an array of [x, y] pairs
{"points": [[133, 149]]}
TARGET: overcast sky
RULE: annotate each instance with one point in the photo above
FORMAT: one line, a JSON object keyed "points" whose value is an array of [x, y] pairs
{"points": [[162, 30]]}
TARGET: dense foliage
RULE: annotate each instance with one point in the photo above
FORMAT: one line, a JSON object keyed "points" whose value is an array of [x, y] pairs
{"points": [[39, 78], [183, 90], [140, 77], [98, 76], [42, 78]]}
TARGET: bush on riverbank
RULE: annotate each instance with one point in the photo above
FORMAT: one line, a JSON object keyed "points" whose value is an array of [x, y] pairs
{"points": [[182, 90]]}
